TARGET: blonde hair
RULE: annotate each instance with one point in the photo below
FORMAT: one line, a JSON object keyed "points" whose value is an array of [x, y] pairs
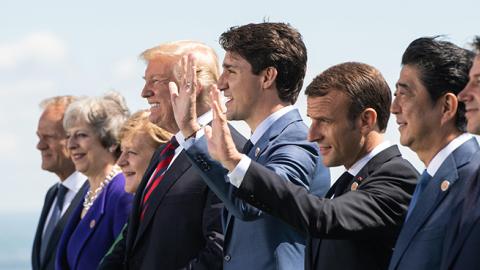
{"points": [[206, 59], [139, 123], [105, 114]]}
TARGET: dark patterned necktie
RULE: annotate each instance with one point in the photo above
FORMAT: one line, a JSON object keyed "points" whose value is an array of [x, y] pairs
{"points": [[54, 218], [342, 183], [247, 147], [165, 158]]}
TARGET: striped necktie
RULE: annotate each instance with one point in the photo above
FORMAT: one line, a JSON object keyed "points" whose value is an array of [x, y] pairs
{"points": [[421, 185], [165, 158]]}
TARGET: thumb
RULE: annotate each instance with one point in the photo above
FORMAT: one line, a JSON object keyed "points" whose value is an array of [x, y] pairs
{"points": [[172, 87], [208, 133]]}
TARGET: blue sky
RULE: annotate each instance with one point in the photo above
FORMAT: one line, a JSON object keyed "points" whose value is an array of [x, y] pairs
{"points": [[52, 48]]}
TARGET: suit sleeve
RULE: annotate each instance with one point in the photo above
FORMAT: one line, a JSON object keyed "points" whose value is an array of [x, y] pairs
{"points": [[211, 256], [378, 205], [291, 162]]}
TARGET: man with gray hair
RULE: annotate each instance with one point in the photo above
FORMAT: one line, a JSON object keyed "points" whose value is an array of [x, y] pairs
{"points": [[175, 221], [64, 195]]}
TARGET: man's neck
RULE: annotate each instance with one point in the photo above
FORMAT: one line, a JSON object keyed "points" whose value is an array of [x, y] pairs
{"points": [[428, 152], [262, 114]]}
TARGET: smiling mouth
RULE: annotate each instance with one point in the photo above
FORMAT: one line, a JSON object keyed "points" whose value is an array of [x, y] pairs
{"points": [[77, 156], [154, 105], [129, 174]]}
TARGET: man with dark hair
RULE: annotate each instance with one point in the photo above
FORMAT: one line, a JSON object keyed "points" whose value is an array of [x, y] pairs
{"points": [[263, 73], [462, 239], [64, 196], [356, 224], [432, 123]]}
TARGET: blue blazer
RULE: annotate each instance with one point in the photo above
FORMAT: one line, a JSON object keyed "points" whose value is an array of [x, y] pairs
{"points": [[462, 240], [420, 243], [254, 239], [85, 241]]}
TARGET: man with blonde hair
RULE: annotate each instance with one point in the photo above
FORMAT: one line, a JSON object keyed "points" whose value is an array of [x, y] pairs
{"points": [[175, 221], [64, 195]]}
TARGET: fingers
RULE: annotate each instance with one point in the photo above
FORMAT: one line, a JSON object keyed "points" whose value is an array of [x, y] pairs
{"points": [[216, 103], [208, 132], [172, 87]]}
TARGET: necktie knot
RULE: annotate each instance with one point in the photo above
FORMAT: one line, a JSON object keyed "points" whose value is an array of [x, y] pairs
{"points": [[62, 191], [247, 147], [342, 183]]}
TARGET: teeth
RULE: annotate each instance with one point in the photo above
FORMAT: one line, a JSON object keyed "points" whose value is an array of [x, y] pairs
{"points": [[154, 105]]}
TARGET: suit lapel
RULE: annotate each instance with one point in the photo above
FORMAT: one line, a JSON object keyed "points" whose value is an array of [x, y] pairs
{"points": [[432, 196], [134, 219], [57, 233], [91, 218], [51, 193], [178, 167]]}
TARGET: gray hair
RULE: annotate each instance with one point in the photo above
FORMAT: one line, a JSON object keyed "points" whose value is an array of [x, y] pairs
{"points": [[57, 101], [105, 114]]}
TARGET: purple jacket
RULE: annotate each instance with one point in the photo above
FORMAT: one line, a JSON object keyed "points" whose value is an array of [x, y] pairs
{"points": [[85, 241]]}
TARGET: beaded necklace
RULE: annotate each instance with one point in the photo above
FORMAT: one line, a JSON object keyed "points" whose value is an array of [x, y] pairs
{"points": [[92, 195]]}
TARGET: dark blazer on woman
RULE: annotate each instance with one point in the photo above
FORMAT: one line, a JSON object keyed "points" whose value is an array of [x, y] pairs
{"points": [[85, 241]]}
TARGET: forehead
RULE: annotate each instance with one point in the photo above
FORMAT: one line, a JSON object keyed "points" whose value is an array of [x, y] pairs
{"points": [[136, 140], [234, 59], [409, 77], [333, 103], [51, 118], [475, 70], [161, 65]]}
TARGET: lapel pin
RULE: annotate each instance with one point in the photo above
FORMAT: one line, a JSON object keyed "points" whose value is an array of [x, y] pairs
{"points": [[445, 185], [257, 151], [359, 178], [354, 186], [92, 223]]}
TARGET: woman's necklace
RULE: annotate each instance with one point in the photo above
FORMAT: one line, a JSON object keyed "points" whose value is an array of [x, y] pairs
{"points": [[92, 195]]}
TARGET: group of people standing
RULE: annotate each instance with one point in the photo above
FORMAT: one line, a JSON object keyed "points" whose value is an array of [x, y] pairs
{"points": [[177, 187]]}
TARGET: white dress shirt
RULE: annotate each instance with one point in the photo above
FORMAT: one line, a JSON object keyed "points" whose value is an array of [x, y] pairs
{"points": [[440, 157]]}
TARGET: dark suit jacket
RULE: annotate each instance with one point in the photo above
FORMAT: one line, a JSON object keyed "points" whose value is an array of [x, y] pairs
{"points": [[420, 243], [253, 239], [52, 245], [462, 240], [358, 228], [181, 227], [85, 241]]}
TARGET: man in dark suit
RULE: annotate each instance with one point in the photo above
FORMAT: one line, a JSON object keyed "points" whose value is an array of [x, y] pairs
{"points": [[62, 197], [263, 73], [462, 240], [356, 224], [432, 123], [175, 221]]}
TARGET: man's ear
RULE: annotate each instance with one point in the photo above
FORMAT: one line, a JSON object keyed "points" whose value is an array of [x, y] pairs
{"points": [[269, 75], [449, 107], [367, 120]]}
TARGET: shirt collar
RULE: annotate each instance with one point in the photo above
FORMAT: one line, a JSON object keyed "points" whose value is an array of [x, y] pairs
{"points": [[440, 157], [268, 122], [357, 166], [75, 181]]}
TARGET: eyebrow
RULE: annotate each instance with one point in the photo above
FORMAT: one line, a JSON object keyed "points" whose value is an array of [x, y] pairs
{"points": [[403, 85]]}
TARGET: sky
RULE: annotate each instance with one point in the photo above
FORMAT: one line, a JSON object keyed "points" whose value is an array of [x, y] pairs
{"points": [[50, 48]]}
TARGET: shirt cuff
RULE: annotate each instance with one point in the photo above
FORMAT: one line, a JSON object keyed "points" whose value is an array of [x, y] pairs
{"points": [[238, 173], [190, 141]]}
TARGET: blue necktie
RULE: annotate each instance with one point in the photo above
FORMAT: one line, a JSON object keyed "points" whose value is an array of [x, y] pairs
{"points": [[421, 184], [54, 218]]}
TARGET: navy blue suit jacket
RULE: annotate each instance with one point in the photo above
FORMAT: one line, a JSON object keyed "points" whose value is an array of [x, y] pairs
{"points": [[356, 229], [85, 241], [420, 243], [254, 239], [462, 240]]}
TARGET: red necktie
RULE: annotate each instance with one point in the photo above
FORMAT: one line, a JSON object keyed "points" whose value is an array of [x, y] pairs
{"points": [[165, 158]]}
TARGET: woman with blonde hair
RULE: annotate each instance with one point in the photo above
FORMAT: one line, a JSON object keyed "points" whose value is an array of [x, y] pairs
{"points": [[139, 139], [92, 125]]}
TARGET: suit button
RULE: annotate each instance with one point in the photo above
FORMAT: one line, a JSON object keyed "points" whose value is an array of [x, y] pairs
{"points": [[227, 258]]}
